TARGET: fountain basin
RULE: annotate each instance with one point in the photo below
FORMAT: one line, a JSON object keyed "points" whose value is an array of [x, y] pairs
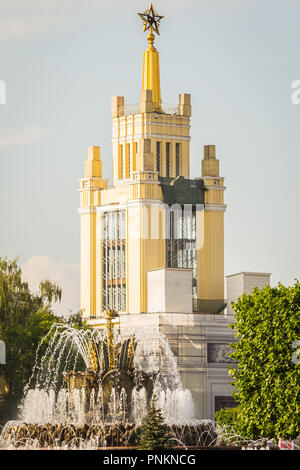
{"points": [[24, 435]]}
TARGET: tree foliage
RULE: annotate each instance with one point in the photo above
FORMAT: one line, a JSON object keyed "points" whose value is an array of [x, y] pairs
{"points": [[75, 320], [24, 319], [227, 417], [267, 379], [227, 420], [154, 434]]}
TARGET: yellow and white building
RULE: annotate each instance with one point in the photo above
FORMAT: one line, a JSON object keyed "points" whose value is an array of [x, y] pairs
{"points": [[152, 243]]}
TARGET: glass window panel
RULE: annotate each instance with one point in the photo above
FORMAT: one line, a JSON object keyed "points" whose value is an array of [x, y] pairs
{"points": [[158, 157], [177, 159], [114, 260], [181, 241], [167, 159]]}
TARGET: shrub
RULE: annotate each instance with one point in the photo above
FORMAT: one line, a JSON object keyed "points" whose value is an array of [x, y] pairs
{"points": [[154, 433]]}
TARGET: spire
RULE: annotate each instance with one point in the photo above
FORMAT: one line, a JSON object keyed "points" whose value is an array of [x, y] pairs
{"points": [[151, 76]]}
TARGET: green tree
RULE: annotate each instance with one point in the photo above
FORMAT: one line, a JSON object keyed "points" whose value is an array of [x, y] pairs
{"points": [[228, 421], [267, 379], [154, 432], [24, 319], [75, 320]]}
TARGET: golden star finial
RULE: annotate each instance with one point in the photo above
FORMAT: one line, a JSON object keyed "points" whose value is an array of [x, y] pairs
{"points": [[151, 19]]}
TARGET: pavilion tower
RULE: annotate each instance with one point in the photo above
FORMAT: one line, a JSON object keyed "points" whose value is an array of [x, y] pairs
{"points": [[153, 217]]}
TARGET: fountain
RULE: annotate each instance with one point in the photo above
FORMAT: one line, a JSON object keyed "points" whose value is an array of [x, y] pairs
{"points": [[91, 388], [110, 377]]}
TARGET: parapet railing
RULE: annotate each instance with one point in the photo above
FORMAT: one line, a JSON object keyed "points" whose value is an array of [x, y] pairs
{"points": [[166, 108], [131, 109]]}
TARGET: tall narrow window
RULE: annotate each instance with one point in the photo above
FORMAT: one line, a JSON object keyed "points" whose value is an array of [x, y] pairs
{"points": [[167, 159], [181, 241], [177, 159], [158, 157], [114, 248]]}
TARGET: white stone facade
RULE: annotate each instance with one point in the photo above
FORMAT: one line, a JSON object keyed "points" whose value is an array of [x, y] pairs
{"points": [[199, 341], [244, 282], [193, 337], [170, 290]]}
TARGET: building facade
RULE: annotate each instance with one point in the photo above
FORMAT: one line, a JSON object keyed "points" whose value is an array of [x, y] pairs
{"points": [[152, 243]]}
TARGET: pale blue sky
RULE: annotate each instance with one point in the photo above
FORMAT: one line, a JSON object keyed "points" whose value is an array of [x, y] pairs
{"points": [[62, 60]]}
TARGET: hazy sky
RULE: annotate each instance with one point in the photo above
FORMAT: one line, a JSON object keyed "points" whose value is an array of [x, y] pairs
{"points": [[61, 61]]}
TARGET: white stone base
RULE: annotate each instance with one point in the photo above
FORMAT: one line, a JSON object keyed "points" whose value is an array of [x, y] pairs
{"points": [[202, 368]]}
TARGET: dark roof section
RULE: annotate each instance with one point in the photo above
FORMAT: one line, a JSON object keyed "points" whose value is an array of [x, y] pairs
{"points": [[182, 191]]}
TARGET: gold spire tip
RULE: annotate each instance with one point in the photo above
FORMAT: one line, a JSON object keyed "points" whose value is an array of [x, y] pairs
{"points": [[151, 21]]}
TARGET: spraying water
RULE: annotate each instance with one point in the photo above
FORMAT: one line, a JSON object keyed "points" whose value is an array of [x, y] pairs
{"points": [[65, 350]]}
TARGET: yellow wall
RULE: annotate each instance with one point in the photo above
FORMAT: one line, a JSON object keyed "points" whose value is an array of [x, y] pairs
{"points": [[136, 187], [210, 256], [128, 130], [145, 252], [88, 263]]}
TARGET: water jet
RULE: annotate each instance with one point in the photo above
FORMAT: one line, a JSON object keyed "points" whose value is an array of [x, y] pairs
{"points": [[92, 388]]}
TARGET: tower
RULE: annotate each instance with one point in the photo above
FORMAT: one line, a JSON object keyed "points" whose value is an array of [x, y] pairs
{"points": [[124, 227], [152, 244]]}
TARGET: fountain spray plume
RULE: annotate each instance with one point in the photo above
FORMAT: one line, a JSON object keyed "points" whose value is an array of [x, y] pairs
{"points": [[100, 383]]}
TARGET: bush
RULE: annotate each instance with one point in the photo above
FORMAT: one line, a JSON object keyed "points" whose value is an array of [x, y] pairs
{"points": [[154, 433], [227, 417], [229, 431]]}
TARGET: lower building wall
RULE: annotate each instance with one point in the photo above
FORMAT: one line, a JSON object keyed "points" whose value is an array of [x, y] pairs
{"points": [[200, 344], [218, 391]]}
